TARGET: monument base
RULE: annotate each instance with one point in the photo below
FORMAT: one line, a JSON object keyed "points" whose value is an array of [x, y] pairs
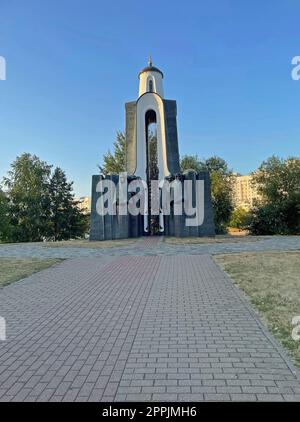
{"points": [[109, 227]]}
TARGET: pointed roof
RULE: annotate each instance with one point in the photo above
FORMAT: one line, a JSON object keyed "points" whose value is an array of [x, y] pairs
{"points": [[151, 68]]}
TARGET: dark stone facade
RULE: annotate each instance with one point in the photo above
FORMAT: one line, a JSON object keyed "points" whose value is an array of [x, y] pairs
{"points": [[108, 227], [130, 135], [170, 109], [175, 225], [121, 227]]}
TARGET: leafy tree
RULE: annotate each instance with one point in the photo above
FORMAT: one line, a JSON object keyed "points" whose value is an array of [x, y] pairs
{"points": [[153, 174], [66, 220], [37, 204], [191, 162], [240, 219], [115, 162], [278, 182], [277, 179], [221, 191], [152, 153], [221, 186], [27, 189], [5, 225], [217, 164], [265, 220]]}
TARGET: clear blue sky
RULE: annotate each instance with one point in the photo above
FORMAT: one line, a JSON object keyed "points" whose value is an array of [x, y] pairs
{"points": [[72, 64]]}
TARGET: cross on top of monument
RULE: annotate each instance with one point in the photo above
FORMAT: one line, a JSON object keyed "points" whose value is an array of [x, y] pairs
{"points": [[150, 67]]}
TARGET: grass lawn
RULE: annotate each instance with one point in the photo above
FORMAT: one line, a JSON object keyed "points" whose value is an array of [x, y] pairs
{"points": [[79, 243], [88, 244], [271, 281], [236, 238], [14, 269]]}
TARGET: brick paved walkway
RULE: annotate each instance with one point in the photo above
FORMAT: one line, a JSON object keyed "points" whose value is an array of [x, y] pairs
{"points": [[137, 328]]}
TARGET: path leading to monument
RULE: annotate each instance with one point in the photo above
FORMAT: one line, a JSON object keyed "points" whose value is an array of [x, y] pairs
{"points": [[137, 328]]}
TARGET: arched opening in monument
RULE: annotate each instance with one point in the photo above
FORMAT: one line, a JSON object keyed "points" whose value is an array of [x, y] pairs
{"points": [[152, 169]]}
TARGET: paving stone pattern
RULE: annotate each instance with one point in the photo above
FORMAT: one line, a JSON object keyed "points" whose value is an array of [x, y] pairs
{"points": [[137, 328]]}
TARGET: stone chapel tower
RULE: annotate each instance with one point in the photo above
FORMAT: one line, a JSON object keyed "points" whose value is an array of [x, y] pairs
{"points": [[151, 108]]}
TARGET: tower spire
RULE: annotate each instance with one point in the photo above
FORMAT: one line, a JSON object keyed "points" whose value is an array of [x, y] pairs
{"points": [[150, 61]]}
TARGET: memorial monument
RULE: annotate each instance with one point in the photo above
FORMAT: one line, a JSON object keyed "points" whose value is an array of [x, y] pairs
{"points": [[163, 199]]}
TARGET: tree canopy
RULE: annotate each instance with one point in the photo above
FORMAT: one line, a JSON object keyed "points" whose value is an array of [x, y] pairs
{"points": [[66, 220], [115, 162], [221, 186], [38, 204], [191, 162], [240, 218], [27, 189], [278, 182], [5, 224]]}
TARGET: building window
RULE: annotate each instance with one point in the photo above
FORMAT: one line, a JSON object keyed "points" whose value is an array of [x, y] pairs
{"points": [[150, 85]]}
